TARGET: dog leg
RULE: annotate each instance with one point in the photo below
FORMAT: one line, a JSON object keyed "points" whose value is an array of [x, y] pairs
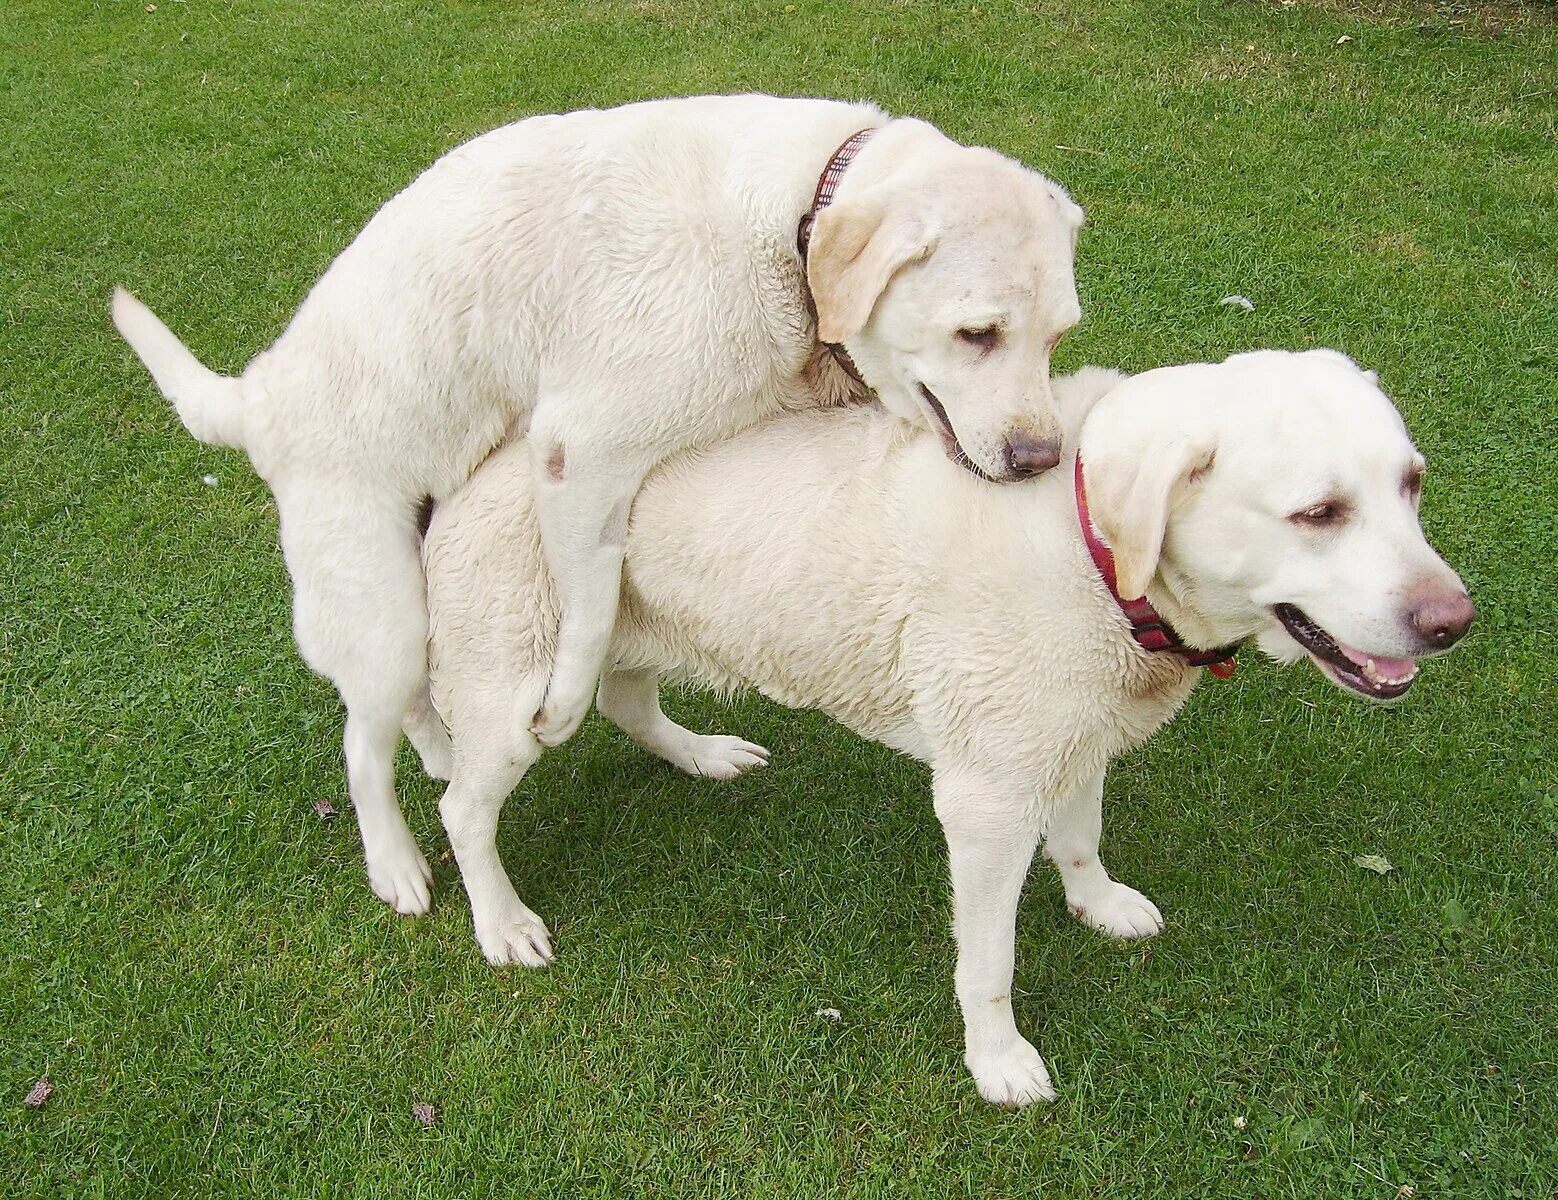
{"points": [[1093, 897], [425, 729], [360, 617], [631, 701], [507, 931], [582, 499], [397, 872], [990, 840]]}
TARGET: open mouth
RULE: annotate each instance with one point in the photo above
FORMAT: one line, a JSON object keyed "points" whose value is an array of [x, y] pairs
{"points": [[1368, 675], [949, 439]]}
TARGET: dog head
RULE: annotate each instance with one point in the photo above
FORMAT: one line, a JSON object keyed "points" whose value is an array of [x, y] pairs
{"points": [[1275, 497], [947, 273]]}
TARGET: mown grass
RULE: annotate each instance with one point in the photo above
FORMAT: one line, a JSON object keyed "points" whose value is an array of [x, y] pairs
{"points": [[192, 955]]}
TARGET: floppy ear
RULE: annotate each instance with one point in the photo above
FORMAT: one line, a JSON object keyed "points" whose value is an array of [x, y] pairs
{"points": [[1131, 491], [857, 246]]}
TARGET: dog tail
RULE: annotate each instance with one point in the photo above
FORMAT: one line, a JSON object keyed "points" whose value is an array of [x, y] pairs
{"points": [[210, 405]]}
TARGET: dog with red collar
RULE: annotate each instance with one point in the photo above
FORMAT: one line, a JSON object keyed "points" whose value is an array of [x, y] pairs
{"points": [[1015, 639]]}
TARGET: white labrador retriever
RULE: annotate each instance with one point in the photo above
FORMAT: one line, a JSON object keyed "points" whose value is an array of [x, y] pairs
{"points": [[834, 561], [623, 284]]}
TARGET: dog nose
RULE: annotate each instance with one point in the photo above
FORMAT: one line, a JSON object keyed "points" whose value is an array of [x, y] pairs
{"points": [[1443, 620], [1027, 455]]}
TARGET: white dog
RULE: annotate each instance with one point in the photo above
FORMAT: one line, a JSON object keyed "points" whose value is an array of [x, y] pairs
{"points": [[621, 284], [834, 561]]}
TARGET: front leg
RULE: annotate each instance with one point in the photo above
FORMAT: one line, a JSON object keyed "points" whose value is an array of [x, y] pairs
{"points": [[631, 701], [992, 833], [584, 491], [1093, 897]]}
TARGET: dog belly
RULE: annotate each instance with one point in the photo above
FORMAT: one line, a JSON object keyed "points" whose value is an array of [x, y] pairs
{"points": [[796, 659]]}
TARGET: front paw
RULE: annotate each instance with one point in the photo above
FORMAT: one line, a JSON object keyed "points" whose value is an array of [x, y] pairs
{"points": [[1012, 1077], [514, 936], [717, 756], [1119, 911], [400, 876], [558, 720]]}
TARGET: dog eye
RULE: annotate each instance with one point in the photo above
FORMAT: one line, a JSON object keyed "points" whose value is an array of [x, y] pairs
{"points": [[1330, 512], [983, 338]]}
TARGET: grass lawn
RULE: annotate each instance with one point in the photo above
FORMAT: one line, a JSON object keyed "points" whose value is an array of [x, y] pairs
{"points": [[192, 955]]}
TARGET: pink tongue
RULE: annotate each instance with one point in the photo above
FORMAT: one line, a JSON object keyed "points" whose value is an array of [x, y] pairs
{"points": [[1388, 668]]}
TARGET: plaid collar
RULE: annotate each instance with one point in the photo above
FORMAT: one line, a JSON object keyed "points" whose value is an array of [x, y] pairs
{"points": [[827, 185], [1150, 631]]}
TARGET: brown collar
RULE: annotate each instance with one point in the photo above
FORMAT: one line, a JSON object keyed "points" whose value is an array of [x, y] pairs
{"points": [[827, 185], [1148, 629]]}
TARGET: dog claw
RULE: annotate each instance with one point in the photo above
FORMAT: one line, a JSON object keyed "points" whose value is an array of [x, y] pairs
{"points": [[1012, 1078], [516, 938], [716, 756]]}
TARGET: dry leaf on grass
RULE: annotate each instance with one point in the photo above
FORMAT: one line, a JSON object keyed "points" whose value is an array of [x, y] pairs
{"points": [[41, 1091], [1377, 863]]}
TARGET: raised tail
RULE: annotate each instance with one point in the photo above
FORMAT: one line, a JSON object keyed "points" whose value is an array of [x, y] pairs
{"points": [[210, 405]]}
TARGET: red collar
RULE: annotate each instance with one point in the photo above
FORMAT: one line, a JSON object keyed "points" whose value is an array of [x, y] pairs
{"points": [[1150, 631], [827, 185]]}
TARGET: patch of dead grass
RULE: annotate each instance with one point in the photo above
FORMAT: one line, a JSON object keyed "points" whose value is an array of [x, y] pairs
{"points": [[1399, 245], [1245, 62]]}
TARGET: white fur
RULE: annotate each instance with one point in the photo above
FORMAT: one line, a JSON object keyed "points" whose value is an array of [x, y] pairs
{"points": [[622, 284], [835, 560]]}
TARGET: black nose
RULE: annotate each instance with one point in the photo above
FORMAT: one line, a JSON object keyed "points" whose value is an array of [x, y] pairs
{"points": [[1027, 455], [1443, 620]]}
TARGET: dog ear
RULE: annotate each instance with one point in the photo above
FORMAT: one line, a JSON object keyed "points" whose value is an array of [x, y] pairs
{"points": [[857, 246], [1131, 490]]}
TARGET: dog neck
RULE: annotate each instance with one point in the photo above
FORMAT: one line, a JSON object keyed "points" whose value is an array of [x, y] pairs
{"points": [[1153, 627]]}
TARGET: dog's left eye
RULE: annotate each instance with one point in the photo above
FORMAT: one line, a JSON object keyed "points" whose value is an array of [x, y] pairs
{"points": [[984, 337], [1330, 512]]}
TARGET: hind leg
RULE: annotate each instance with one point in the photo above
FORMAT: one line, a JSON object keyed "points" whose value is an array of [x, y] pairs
{"points": [[631, 701], [397, 871], [493, 751], [360, 617]]}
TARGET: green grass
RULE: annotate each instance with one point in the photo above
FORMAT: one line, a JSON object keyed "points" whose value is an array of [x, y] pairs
{"points": [[193, 956]]}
